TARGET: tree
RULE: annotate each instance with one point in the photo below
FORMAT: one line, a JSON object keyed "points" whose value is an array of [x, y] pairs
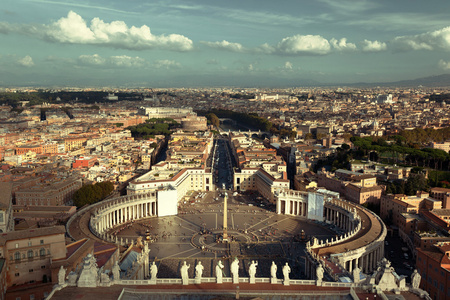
{"points": [[92, 193]]}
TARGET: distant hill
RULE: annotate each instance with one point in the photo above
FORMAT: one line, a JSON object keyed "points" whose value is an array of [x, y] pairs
{"points": [[432, 81]]}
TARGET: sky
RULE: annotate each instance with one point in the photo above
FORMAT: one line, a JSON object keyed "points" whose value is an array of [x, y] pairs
{"points": [[201, 43]]}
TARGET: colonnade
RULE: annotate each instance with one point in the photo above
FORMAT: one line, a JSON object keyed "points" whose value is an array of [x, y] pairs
{"points": [[292, 207], [348, 217], [340, 217], [294, 203], [366, 262], [125, 214], [123, 210]]}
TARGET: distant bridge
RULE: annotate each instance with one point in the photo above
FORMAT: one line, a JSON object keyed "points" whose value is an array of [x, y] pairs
{"points": [[247, 132]]}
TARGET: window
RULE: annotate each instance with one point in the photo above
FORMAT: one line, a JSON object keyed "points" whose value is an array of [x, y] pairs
{"points": [[42, 252], [17, 274], [30, 270], [29, 243], [42, 267], [17, 245], [17, 256], [30, 253]]}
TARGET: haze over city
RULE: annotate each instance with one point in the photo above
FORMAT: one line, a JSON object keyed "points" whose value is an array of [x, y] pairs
{"points": [[212, 43]]}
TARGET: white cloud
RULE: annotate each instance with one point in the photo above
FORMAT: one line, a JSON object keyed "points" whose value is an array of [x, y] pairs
{"points": [[342, 45], [166, 64], [73, 29], [304, 44], [26, 61], [127, 61], [265, 48], [433, 40], [112, 61], [373, 46], [92, 59], [288, 65], [445, 65], [225, 45]]}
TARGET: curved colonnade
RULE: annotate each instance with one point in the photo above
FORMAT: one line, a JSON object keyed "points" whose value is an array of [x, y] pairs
{"points": [[361, 246], [119, 211]]}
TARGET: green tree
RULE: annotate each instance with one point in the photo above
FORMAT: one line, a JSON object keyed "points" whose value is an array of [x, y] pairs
{"points": [[92, 193]]}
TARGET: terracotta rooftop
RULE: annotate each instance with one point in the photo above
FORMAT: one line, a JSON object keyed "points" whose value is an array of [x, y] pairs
{"points": [[30, 233]]}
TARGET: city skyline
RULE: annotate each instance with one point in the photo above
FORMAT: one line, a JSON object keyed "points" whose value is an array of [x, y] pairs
{"points": [[203, 43]]}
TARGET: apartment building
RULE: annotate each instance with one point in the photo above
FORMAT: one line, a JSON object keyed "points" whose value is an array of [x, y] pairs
{"points": [[51, 192], [433, 264], [28, 256]]}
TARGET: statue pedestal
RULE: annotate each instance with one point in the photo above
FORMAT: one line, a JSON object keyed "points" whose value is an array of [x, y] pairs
{"points": [[286, 282], [152, 281], [198, 280], [273, 281], [219, 280], [319, 282], [235, 280], [252, 280]]}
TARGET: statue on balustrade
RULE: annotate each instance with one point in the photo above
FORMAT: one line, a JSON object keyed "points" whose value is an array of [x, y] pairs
{"points": [[319, 272], [286, 271], [415, 279], [235, 270], [219, 272], [61, 276], [273, 272], [184, 273], [153, 271], [252, 271]]}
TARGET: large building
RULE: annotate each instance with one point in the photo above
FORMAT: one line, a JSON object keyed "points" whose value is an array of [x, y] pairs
{"points": [[28, 256], [356, 187], [433, 264], [165, 112], [54, 192]]}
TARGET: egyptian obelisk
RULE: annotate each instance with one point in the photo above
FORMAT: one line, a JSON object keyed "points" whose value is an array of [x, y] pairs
{"points": [[225, 218]]}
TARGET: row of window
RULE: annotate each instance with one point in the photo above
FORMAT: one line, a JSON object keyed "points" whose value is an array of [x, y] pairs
{"points": [[41, 242], [30, 254]]}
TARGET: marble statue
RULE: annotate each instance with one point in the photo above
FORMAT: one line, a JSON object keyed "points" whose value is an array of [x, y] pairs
{"points": [[184, 273], [286, 271], [273, 273], [252, 271], [319, 273], [61, 276], [153, 271], [198, 272], [219, 272], [116, 271], [235, 270], [415, 279], [89, 276]]}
